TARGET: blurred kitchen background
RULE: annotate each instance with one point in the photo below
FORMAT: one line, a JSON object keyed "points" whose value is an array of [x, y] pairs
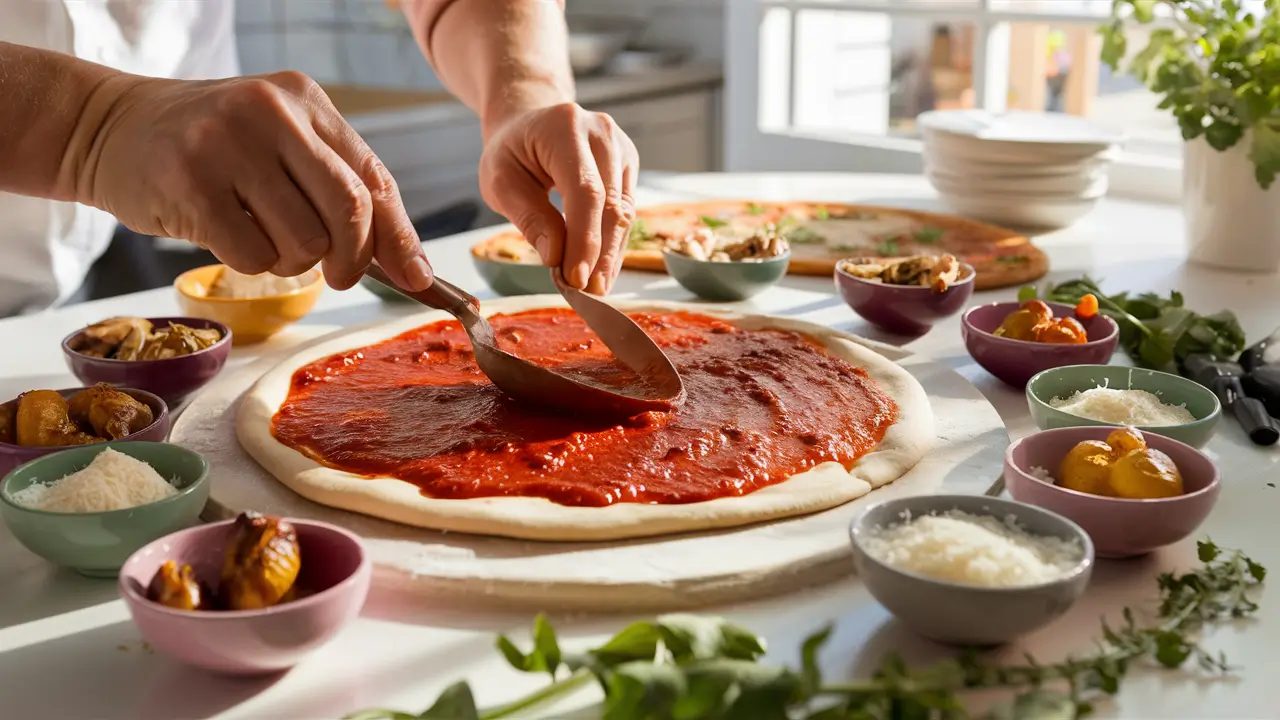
{"points": [[739, 85]]}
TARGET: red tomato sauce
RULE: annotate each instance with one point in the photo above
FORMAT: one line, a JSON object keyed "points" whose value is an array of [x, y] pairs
{"points": [[762, 405]]}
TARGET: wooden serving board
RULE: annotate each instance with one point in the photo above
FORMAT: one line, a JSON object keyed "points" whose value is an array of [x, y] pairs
{"points": [[647, 575]]}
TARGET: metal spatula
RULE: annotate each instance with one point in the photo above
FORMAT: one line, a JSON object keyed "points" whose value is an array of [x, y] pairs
{"points": [[661, 387]]}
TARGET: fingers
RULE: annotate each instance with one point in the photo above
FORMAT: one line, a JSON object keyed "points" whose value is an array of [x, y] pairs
{"points": [[235, 239], [395, 243], [575, 174], [614, 156], [522, 198], [340, 199], [283, 211]]}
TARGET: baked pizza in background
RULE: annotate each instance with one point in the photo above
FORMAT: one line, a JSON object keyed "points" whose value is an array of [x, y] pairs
{"points": [[820, 235]]}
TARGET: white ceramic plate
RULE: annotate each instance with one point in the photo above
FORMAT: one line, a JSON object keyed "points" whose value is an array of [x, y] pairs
{"points": [[1020, 127], [1016, 213], [940, 142], [1090, 167], [1067, 187]]}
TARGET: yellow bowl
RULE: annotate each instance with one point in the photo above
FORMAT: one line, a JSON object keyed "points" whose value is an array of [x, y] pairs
{"points": [[251, 320]]}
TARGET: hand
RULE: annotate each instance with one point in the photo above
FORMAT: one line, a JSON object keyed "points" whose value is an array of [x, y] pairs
{"points": [[262, 171], [593, 165]]}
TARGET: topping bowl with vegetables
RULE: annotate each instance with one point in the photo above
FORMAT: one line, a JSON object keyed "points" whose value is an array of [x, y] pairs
{"points": [[1016, 340], [169, 356], [905, 295], [511, 266], [1132, 491], [1154, 402], [248, 596], [724, 269]]}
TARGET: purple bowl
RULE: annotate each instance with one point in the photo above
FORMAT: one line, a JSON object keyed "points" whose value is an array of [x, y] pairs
{"points": [[336, 571], [172, 378], [11, 456], [902, 309], [1017, 361], [1119, 527]]}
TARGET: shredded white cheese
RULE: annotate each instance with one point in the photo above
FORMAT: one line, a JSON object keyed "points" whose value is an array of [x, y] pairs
{"points": [[972, 550], [231, 284], [1123, 407], [1040, 473], [113, 481]]}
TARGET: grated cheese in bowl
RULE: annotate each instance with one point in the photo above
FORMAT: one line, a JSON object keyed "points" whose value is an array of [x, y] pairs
{"points": [[968, 549], [112, 481], [1137, 408]]}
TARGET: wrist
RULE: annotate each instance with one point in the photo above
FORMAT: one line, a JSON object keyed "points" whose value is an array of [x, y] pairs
{"points": [[106, 105], [519, 98]]}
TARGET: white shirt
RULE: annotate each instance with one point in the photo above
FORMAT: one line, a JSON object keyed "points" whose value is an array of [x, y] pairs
{"points": [[46, 248]]}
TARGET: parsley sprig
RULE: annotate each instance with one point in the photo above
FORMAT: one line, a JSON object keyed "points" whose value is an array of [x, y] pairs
{"points": [[1216, 69], [689, 667]]}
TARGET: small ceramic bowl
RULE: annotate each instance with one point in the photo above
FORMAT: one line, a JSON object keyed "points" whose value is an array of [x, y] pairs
{"points": [[1064, 382], [513, 278], [959, 614], [1016, 361], [171, 378], [11, 456], [1119, 527], [902, 309], [725, 281], [97, 544], [253, 320], [335, 576]]}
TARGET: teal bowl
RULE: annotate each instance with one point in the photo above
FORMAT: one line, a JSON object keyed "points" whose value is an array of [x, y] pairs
{"points": [[97, 544], [1065, 381], [725, 281], [512, 278]]}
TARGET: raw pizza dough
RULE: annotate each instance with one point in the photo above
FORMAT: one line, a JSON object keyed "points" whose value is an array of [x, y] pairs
{"points": [[824, 486]]}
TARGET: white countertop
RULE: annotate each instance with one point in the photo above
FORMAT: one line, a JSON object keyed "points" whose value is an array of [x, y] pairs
{"points": [[68, 649]]}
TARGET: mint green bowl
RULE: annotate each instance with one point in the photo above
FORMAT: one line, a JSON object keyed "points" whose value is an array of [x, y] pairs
{"points": [[1065, 381], [97, 544], [725, 281]]}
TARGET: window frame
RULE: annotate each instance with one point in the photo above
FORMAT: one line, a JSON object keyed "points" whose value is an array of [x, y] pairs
{"points": [[750, 147]]}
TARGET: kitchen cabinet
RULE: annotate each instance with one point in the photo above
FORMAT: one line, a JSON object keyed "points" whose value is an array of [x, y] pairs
{"points": [[432, 144]]}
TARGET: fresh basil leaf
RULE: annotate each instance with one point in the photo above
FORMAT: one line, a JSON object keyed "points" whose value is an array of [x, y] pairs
{"points": [[642, 690], [1172, 649], [545, 655], [1012, 259], [802, 235], [928, 235], [455, 703], [822, 213], [1039, 705], [713, 223], [637, 641], [810, 671], [700, 637], [755, 208], [888, 248], [639, 235], [753, 690], [380, 714]]}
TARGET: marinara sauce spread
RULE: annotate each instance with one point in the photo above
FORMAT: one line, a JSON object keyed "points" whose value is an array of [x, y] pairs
{"points": [[762, 405]]}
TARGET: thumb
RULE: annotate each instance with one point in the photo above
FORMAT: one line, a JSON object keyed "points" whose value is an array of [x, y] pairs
{"points": [[527, 204]]}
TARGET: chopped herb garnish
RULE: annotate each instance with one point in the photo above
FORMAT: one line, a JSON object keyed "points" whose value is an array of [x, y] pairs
{"points": [[1012, 259], [713, 222], [639, 235], [888, 247], [802, 235], [928, 235], [696, 667], [755, 208], [822, 213]]}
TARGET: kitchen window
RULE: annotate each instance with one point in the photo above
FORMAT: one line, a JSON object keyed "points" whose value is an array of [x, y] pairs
{"points": [[837, 84]]}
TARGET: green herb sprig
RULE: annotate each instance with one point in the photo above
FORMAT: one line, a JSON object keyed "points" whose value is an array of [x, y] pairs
{"points": [[1156, 332], [1217, 68], [688, 667]]}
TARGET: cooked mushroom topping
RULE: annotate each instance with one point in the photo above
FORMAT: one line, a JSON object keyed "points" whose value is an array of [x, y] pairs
{"points": [[130, 338], [937, 272], [702, 244]]}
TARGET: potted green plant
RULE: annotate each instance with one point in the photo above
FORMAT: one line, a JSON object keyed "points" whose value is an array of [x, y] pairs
{"points": [[1216, 66]]}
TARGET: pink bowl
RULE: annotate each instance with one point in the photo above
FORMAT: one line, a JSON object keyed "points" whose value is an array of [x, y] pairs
{"points": [[335, 569], [1017, 361], [172, 378], [901, 309], [1119, 527], [11, 456]]}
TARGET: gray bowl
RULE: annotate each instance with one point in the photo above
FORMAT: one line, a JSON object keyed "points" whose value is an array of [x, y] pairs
{"points": [[725, 281], [965, 614]]}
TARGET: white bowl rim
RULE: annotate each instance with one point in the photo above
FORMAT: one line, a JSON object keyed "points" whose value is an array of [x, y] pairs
{"points": [[1153, 429]]}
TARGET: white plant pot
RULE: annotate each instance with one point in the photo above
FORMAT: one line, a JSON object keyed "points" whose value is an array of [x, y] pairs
{"points": [[1232, 223]]}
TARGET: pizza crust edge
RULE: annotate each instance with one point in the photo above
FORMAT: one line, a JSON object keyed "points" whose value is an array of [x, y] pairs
{"points": [[820, 488]]}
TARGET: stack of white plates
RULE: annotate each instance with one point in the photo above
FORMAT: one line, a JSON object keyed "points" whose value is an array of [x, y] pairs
{"points": [[1024, 169]]}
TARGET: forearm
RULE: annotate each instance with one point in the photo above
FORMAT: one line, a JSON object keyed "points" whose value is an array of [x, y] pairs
{"points": [[52, 107], [500, 57]]}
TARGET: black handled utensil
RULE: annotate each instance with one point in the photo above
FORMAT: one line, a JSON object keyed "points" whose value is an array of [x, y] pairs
{"points": [[1223, 378]]}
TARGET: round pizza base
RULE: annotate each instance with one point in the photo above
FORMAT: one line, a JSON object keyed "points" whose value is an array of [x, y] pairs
{"points": [[824, 486], [642, 576]]}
